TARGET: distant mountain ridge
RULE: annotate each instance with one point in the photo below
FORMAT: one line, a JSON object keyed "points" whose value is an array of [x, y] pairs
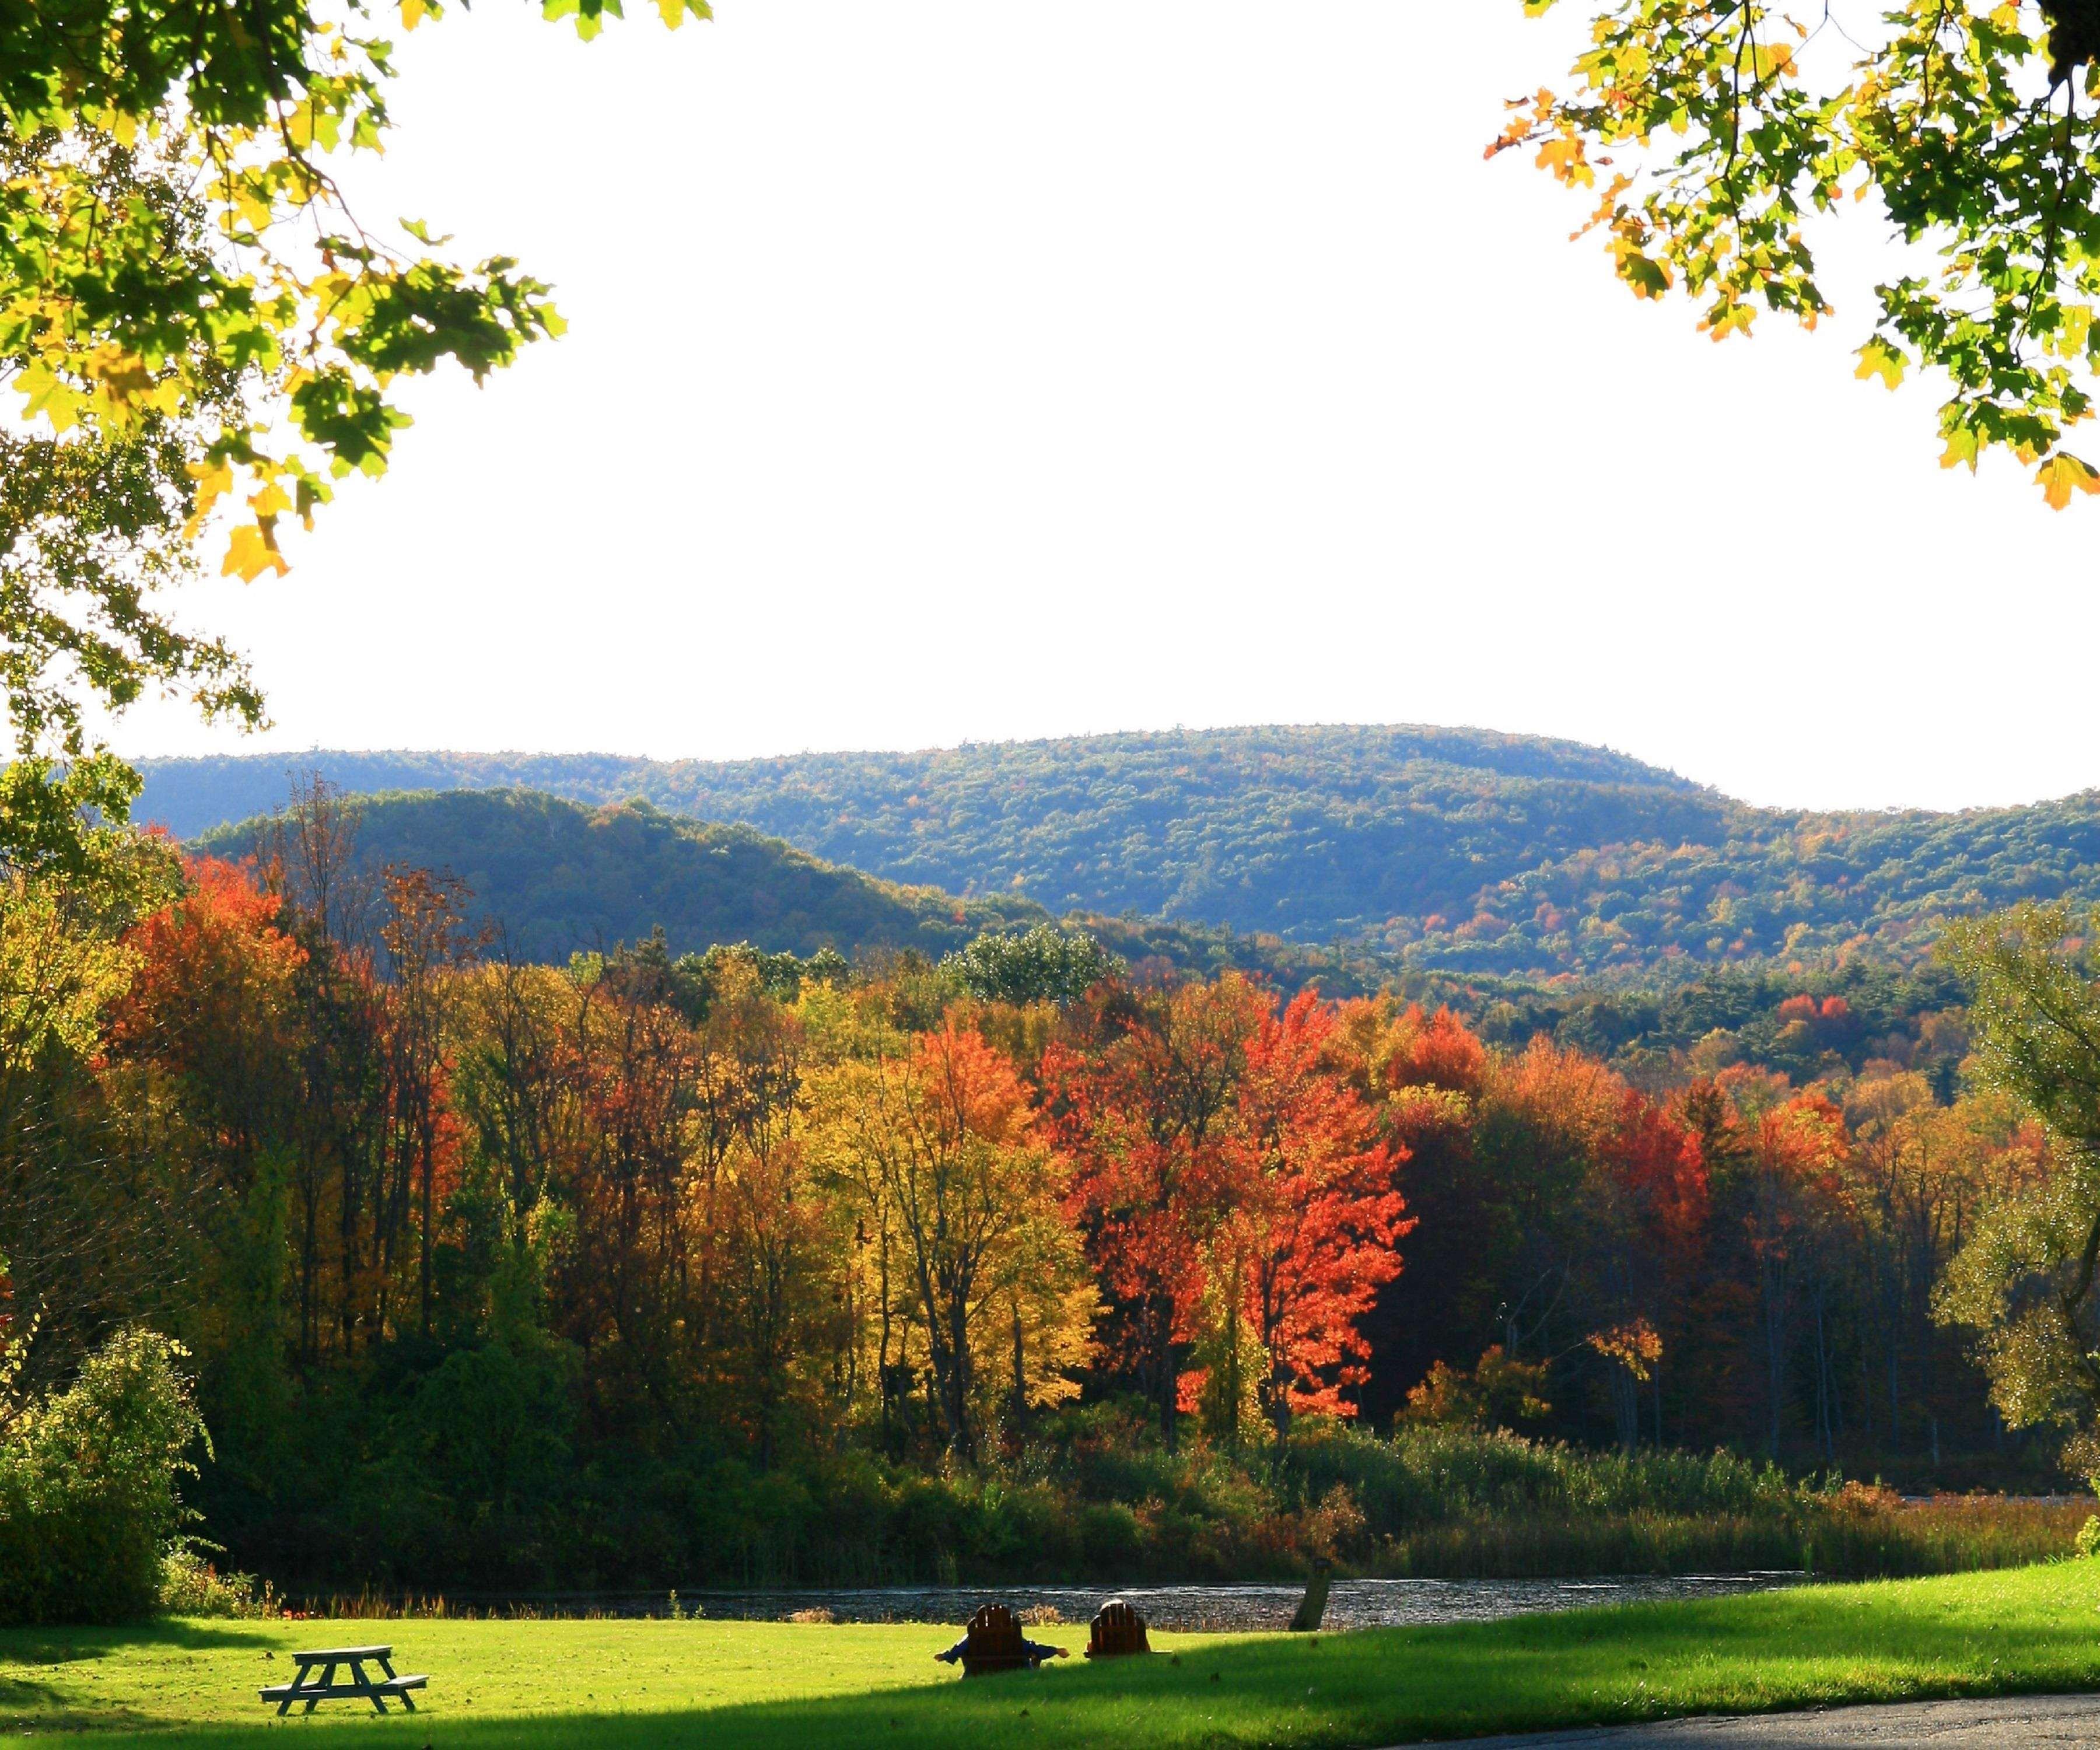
{"points": [[1458, 850]]}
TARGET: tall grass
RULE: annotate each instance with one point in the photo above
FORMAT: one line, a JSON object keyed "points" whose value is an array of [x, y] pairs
{"points": [[1094, 1503], [1458, 1503], [1432, 1475], [1855, 1538]]}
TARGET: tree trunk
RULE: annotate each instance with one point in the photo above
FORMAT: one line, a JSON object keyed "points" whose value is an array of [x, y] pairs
{"points": [[1168, 1384]]}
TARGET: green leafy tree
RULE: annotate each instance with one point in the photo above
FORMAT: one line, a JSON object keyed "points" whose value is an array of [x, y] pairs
{"points": [[197, 329], [2028, 1278], [1725, 125], [88, 1485], [1044, 965]]}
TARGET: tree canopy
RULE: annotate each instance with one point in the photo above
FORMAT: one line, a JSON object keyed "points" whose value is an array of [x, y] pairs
{"points": [[198, 331], [1725, 126], [2027, 1278]]}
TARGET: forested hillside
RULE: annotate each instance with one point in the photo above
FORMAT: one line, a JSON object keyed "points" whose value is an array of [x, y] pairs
{"points": [[1433, 848], [560, 877]]}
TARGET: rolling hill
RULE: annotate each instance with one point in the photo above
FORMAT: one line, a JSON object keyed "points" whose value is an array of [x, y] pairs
{"points": [[561, 877], [1458, 850]]}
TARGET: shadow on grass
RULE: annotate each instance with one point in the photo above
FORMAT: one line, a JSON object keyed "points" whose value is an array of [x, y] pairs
{"points": [[55, 1645], [28, 1704], [18, 1696]]}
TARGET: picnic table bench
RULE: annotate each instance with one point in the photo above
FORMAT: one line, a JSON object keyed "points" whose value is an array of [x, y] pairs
{"points": [[325, 1688]]}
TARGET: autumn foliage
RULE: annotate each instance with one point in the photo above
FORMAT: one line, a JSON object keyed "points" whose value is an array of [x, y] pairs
{"points": [[510, 1240]]}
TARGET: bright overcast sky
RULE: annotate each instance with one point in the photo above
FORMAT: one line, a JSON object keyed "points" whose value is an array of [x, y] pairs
{"points": [[977, 369]]}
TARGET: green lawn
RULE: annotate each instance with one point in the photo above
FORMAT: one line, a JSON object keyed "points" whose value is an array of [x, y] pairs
{"points": [[784, 1687]]}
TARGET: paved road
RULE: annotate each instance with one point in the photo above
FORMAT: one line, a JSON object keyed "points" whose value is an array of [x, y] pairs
{"points": [[2012, 1722]]}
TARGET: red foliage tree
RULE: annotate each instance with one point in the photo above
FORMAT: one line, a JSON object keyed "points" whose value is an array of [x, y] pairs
{"points": [[210, 1007], [1436, 1050], [1315, 1217], [1142, 1100], [1650, 1195]]}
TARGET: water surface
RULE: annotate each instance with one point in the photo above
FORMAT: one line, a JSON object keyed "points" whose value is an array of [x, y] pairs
{"points": [[1351, 1604]]}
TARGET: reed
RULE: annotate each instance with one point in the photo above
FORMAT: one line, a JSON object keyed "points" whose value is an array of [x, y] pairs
{"points": [[1422, 1502]]}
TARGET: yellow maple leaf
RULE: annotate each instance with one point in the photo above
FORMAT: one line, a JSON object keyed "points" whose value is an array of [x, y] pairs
{"points": [[1730, 319], [44, 391], [252, 551], [1564, 156], [214, 481], [1771, 61], [1877, 358], [2064, 474], [124, 378]]}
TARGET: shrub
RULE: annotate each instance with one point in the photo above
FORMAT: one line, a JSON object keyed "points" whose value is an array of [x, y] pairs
{"points": [[88, 1486], [190, 1586], [2088, 1534]]}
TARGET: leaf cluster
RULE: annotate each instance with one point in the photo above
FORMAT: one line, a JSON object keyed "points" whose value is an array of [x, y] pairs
{"points": [[1728, 125]]}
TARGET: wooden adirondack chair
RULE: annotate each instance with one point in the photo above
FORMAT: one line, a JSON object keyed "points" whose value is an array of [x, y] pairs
{"points": [[1116, 1630], [993, 1641]]}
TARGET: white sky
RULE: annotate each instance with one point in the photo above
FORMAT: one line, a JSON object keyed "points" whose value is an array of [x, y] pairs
{"points": [[970, 369]]}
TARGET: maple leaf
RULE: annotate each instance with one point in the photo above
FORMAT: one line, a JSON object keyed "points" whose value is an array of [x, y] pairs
{"points": [[1564, 157], [2064, 474], [252, 551], [1648, 278], [1877, 358], [44, 391]]}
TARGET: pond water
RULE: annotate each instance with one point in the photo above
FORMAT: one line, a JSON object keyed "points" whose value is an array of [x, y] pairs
{"points": [[1351, 1604]]}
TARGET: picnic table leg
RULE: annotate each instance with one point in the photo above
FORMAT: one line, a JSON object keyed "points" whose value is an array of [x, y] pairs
{"points": [[387, 1665], [291, 1695], [328, 1677], [357, 1676]]}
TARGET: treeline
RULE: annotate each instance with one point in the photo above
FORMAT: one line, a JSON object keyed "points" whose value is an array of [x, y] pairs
{"points": [[1864, 1018], [656, 1268], [1425, 849]]}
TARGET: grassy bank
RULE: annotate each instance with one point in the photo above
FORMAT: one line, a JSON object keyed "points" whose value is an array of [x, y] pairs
{"points": [[1850, 1534], [1459, 1504], [785, 1687]]}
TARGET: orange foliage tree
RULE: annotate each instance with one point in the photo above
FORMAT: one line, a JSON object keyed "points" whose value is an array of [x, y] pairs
{"points": [[1144, 1098], [1315, 1219]]}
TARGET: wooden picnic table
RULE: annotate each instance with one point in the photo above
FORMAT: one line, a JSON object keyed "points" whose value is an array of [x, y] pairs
{"points": [[329, 1659]]}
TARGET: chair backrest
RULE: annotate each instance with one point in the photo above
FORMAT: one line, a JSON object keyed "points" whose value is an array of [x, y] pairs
{"points": [[1117, 1628], [995, 1633]]}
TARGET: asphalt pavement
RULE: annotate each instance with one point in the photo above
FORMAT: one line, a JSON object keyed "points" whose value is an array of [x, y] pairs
{"points": [[2009, 1722]]}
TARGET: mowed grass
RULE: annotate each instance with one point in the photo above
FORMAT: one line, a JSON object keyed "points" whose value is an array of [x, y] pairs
{"points": [[785, 1687]]}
